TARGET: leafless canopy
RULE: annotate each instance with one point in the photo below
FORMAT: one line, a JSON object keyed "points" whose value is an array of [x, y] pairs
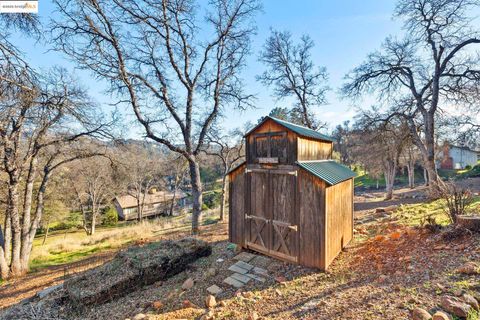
{"points": [[434, 66], [151, 52], [153, 56], [292, 73]]}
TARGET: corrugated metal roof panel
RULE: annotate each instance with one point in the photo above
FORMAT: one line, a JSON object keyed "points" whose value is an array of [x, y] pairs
{"points": [[303, 131], [300, 130], [329, 171]]}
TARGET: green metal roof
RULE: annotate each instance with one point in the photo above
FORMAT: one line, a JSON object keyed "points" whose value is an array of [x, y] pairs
{"points": [[328, 170], [300, 130], [303, 131]]}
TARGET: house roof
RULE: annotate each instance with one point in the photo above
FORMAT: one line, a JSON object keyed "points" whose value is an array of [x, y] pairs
{"points": [[464, 148], [328, 170], [300, 130], [237, 166], [128, 201]]}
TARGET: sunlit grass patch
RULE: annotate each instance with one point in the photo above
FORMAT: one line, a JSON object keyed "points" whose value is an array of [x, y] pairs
{"points": [[416, 214], [71, 246]]}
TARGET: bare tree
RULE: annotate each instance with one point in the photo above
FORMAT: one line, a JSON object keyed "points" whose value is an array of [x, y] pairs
{"points": [[383, 143], [177, 169], [343, 136], [176, 82], [229, 149], [139, 168], [292, 73], [409, 158], [41, 118], [91, 181], [434, 65]]}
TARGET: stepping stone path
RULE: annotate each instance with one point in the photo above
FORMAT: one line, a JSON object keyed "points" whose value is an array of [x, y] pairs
{"points": [[243, 271], [233, 282], [244, 256], [241, 277], [214, 289]]}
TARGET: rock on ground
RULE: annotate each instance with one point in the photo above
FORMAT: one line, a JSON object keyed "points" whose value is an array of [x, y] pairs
{"points": [[468, 268], [134, 268], [455, 306], [440, 315], [210, 301], [470, 300], [420, 314], [188, 284]]}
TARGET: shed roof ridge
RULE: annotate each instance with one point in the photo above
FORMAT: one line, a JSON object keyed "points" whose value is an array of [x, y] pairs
{"points": [[318, 160], [299, 126], [298, 129]]}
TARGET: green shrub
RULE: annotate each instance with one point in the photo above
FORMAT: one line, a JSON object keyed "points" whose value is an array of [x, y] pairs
{"points": [[468, 167], [204, 207], [110, 217], [73, 220], [212, 199]]}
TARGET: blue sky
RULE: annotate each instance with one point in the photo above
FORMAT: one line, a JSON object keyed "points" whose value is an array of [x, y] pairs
{"points": [[344, 32]]}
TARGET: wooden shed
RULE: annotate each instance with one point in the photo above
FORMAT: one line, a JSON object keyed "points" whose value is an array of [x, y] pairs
{"points": [[289, 200]]}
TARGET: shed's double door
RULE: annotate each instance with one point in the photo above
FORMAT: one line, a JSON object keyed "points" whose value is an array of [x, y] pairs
{"points": [[271, 222]]}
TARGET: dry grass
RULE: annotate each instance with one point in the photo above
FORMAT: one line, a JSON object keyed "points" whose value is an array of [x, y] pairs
{"points": [[69, 247]]}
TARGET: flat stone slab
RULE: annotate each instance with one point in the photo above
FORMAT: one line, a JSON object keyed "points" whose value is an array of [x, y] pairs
{"points": [[244, 265], [244, 278], [255, 277], [237, 269], [261, 261], [260, 271], [234, 283], [244, 256], [214, 289]]}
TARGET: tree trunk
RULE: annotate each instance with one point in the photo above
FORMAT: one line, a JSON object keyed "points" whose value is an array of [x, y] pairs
{"points": [[8, 238], [389, 180], [92, 228], [196, 193], [13, 196], [172, 205], [224, 192], [434, 180], [46, 234], [27, 209], [425, 176], [411, 175], [4, 270], [139, 210]]}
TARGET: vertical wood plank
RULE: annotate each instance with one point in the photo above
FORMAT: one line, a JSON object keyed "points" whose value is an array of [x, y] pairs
{"points": [[312, 224], [339, 213]]}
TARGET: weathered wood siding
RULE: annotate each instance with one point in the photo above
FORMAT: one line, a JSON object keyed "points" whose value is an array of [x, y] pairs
{"points": [[311, 203], [339, 218], [285, 219], [236, 200], [257, 231], [257, 142], [309, 149]]}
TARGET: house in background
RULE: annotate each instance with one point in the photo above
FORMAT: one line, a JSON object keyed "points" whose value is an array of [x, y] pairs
{"points": [[457, 157], [155, 203]]}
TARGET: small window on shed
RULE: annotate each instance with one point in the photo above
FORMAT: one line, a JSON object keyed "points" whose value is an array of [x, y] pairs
{"points": [[270, 147], [261, 146], [278, 146]]}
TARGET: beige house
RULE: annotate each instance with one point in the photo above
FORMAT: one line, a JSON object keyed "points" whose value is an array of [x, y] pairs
{"points": [[155, 203]]}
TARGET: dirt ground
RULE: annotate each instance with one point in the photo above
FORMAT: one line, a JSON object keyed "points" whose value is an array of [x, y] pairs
{"points": [[385, 272]]}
